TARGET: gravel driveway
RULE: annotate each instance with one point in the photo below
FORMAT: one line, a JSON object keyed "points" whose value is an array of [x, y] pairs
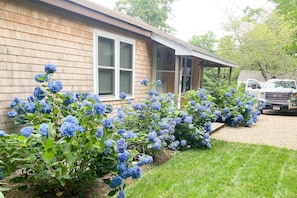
{"points": [[273, 128]]}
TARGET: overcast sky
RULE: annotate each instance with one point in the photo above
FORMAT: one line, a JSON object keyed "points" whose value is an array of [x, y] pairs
{"points": [[194, 17]]}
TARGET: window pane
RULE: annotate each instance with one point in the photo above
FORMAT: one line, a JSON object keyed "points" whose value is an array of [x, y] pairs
{"points": [[126, 55], [165, 59], [189, 67], [105, 51], [126, 82], [106, 81], [167, 79]]}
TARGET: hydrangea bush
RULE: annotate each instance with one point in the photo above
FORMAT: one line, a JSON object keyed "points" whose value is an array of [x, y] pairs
{"points": [[237, 107], [66, 141], [160, 125], [202, 111]]}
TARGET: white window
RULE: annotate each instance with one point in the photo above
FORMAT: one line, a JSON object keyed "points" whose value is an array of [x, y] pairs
{"points": [[114, 65]]}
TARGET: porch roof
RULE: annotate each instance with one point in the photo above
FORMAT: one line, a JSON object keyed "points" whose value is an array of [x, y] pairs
{"points": [[108, 16]]}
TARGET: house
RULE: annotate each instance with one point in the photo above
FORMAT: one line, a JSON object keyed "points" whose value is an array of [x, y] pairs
{"points": [[244, 75], [95, 49]]}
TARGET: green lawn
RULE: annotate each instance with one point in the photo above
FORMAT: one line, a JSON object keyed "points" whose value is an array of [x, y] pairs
{"points": [[227, 170]]}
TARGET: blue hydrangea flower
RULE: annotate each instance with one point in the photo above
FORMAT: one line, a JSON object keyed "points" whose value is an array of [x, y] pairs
{"points": [[50, 68], [120, 113], [15, 102], [122, 157], [2, 133], [108, 143], [159, 82], [232, 90], [45, 107], [81, 129], [151, 92], [41, 78], [68, 98], [30, 107], [121, 145], [99, 132], [206, 136], [226, 110], [27, 131], [31, 99], [156, 106], [129, 134], [202, 94], [55, 86], [12, 114], [157, 145], [115, 182], [145, 160], [123, 95], [97, 98], [126, 173], [128, 101], [122, 166], [178, 120], [43, 129], [144, 82], [38, 93], [81, 96], [193, 103], [135, 172], [99, 108], [154, 99], [203, 115], [152, 135], [68, 129], [240, 117], [183, 143], [71, 119], [107, 122], [188, 119], [121, 194]]}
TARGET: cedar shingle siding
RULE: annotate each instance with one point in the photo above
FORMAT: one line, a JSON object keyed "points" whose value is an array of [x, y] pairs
{"points": [[32, 35]]}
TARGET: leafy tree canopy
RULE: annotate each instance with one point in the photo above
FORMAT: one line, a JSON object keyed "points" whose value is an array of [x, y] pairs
{"points": [[153, 12], [288, 8], [260, 43], [205, 41]]}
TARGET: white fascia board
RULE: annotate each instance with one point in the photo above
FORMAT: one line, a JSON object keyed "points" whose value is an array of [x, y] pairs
{"points": [[184, 51], [179, 50], [213, 59]]}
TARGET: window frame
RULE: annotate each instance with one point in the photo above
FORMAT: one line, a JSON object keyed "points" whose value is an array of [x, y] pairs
{"points": [[117, 69], [184, 73]]}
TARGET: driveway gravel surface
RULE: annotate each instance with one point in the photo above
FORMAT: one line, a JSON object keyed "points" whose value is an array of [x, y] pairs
{"points": [[273, 128]]}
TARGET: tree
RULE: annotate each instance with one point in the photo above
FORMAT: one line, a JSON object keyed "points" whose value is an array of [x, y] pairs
{"points": [[261, 43], [208, 42], [288, 8], [205, 41], [153, 12]]}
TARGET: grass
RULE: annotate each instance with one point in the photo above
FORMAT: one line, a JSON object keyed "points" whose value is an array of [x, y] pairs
{"points": [[227, 170]]}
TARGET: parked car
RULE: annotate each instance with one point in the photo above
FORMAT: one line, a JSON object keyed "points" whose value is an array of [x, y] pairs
{"points": [[277, 94], [253, 87]]}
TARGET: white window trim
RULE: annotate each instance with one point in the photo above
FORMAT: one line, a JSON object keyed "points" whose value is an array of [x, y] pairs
{"points": [[118, 39]]}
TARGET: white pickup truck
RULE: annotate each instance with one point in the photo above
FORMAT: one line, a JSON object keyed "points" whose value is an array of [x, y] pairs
{"points": [[277, 94]]}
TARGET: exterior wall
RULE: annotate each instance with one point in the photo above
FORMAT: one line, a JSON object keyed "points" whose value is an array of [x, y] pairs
{"points": [[32, 35]]}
